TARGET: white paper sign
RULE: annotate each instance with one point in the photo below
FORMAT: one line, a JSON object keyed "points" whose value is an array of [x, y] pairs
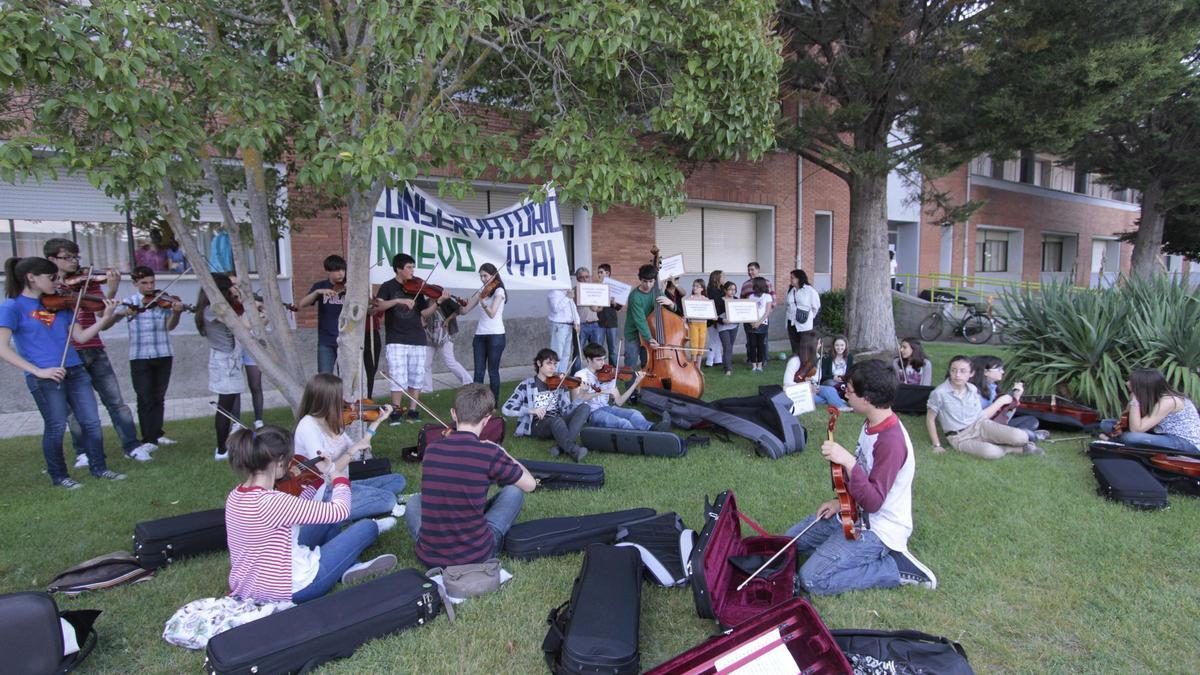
{"points": [[619, 290], [774, 659], [802, 397], [741, 311], [699, 309], [671, 267], [591, 295]]}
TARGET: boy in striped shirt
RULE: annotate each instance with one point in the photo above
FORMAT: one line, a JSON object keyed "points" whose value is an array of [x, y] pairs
{"points": [[452, 521]]}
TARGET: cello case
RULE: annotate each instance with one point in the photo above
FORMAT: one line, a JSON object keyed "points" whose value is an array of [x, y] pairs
{"points": [[766, 419]]}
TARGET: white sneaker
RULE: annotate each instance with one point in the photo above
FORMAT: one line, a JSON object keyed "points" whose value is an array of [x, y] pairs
{"points": [[163, 440], [385, 524], [148, 447], [258, 424], [139, 454], [371, 568], [81, 461], [220, 456]]}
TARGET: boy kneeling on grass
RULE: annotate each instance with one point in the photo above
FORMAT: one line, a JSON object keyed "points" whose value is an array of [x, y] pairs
{"points": [[452, 521], [603, 399], [881, 474]]}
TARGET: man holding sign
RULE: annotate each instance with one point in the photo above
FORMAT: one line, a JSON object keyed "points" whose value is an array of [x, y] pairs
{"points": [[641, 302], [589, 315]]}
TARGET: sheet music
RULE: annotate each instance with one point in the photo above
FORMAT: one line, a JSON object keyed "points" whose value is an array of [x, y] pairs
{"points": [[775, 661]]}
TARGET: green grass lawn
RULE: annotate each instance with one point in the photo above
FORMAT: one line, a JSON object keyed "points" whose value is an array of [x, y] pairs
{"points": [[1036, 573]]}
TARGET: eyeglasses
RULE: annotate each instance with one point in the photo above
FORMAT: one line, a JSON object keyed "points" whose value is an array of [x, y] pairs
{"points": [[66, 257], [996, 368]]}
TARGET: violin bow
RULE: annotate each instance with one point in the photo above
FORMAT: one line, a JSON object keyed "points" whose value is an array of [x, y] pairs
{"points": [[238, 423], [777, 553], [62, 363], [414, 399]]}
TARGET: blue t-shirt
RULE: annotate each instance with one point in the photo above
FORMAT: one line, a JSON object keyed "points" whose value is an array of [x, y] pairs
{"points": [[38, 333], [329, 308]]}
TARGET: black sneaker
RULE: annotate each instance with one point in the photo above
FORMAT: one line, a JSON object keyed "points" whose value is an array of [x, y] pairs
{"points": [[578, 453], [912, 571], [109, 474], [414, 416], [395, 419], [69, 484], [665, 424]]}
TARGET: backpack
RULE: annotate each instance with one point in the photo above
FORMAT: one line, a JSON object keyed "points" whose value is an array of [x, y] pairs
{"points": [[105, 571], [493, 431], [665, 546]]}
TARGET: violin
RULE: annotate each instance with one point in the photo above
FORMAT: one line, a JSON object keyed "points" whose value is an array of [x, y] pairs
{"points": [[803, 374], [1188, 466], [365, 410], [240, 309], [58, 303], [608, 372], [567, 382], [417, 286], [1059, 405], [1007, 409], [154, 299], [490, 287], [847, 508], [301, 473], [92, 277]]}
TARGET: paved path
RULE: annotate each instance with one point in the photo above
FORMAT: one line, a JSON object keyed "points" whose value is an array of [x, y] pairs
{"points": [[30, 423]]}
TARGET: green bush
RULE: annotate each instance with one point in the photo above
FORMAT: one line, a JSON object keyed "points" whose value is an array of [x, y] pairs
{"points": [[832, 317], [1083, 343]]}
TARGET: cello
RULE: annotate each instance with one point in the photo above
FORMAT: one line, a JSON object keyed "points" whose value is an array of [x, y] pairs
{"points": [[847, 508], [667, 364]]}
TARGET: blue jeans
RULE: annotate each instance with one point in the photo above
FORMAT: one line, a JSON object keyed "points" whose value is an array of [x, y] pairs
{"points": [[339, 550], [616, 417], [501, 512], [1164, 441], [104, 380], [827, 395], [611, 338], [54, 401], [488, 350], [836, 564], [326, 358], [591, 332], [633, 353], [374, 496], [561, 335]]}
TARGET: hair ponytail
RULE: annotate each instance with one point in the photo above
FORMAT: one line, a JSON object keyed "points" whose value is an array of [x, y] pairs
{"points": [[16, 269]]}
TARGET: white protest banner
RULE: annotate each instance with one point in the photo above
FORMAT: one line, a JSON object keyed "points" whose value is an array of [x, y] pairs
{"points": [[671, 267], [620, 290], [525, 241], [591, 295]]}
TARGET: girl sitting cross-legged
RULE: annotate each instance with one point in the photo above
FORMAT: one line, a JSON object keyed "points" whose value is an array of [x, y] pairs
{"points": [[1158, 415], [273, 556]]}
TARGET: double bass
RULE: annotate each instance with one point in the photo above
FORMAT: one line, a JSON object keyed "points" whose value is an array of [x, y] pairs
{"points": [[668, 365]]}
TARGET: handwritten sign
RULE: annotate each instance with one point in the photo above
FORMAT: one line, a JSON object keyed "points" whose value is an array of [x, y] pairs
{"points": [[671, 267], [700, 309], [619, 290], [592, 295], [741, 311]]}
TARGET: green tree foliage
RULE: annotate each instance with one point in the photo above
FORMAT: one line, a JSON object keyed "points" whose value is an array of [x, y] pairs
{"points": [[610, 101]]}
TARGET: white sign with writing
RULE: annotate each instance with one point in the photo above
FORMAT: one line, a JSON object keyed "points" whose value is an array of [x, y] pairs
{"points": [[620, 290], [671, 267], [699, 309], [802, 397], [741, 311], [591, 295]]}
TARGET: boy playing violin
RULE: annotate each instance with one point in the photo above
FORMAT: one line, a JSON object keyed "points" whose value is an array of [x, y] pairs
{"points": [[328, 296], [603, 399], [545, 411], [881, 471], [150, 354], [405, 334]]}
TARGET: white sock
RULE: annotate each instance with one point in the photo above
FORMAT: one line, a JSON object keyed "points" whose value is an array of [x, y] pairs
{"points": [[385, 524]]}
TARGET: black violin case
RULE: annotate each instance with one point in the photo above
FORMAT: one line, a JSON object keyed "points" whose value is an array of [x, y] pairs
{"points": [[724, 557], [156, 543]]}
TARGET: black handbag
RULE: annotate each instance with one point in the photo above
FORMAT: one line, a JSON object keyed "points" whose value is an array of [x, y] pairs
{"points": [[801, 315], [902, 651]]}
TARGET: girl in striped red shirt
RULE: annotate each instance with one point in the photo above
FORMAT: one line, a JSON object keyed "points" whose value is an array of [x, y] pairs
{"points": [[273, 556]]}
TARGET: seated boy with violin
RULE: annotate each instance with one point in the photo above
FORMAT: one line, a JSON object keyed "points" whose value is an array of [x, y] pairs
{"points": [[968, 425], [543, 407], [452, 521], [151, 316], [599, 394], [880, 471]]}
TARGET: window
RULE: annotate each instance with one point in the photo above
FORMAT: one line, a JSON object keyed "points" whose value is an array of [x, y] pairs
{"points": [[1052, 253], [1045, 173], [710, 239], [28, 236], [1121, 195], [997, 168], [1026, 167], [991, 250], [1081, 182], [823, 244]]}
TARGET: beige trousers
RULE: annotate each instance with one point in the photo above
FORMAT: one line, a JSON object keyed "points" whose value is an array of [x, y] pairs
{"points": [[989, 440]]}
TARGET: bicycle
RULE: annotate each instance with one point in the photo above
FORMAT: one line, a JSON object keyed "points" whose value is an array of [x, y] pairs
{"points": [[976, 325]]}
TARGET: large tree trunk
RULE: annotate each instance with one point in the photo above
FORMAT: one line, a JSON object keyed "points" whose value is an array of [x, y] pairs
{"points": [[1147, 245], [869, 320], [360, 205]]}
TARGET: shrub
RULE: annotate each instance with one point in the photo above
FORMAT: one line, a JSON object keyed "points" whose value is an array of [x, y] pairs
{"points": [[832, 317], [1083, 343]]}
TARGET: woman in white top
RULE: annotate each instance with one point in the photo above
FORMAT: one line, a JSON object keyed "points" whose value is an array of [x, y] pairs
{"points": [[803, 297], [321, 433], [489, 339]]}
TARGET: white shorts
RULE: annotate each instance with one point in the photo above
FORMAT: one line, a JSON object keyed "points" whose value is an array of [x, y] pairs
{"points": [[406, 365]]}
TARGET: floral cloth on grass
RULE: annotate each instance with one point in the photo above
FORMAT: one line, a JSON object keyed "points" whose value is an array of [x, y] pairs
{"points": [[197, 622]]}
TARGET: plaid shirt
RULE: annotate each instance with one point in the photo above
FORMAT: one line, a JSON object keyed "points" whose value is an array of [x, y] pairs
{"points": [[523, 401], [148, 336]]}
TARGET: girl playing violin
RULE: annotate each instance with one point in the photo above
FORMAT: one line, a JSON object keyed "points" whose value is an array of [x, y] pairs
{"points": [[805, 366], [321, 432], [912, 367], [881, 471], [291, 549], [1158, 415], [989, 372], [226, 378], [545, 412], [58, 385]]}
